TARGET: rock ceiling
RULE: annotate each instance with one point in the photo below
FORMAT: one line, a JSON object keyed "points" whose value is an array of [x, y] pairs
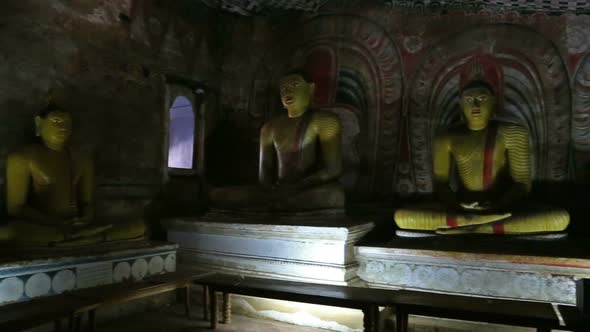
{"points": [[250, 7]]}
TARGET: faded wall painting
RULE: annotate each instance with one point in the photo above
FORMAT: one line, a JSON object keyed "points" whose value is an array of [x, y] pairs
{"points": [[530, 80], [393, 76]]}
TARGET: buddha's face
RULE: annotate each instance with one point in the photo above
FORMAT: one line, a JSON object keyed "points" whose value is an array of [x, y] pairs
{"points": [[55, 129], [477, 104], [296, 94]]}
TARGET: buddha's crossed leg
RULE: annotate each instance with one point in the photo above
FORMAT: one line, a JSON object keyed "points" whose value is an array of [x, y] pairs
{"points": [[430, 217], [530, 220]]}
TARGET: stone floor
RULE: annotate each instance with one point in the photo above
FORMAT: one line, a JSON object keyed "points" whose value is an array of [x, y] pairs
{"points": [[172, 319]]}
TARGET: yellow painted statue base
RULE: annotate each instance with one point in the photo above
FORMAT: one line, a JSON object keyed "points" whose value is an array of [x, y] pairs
{"points": [[27, 234]]}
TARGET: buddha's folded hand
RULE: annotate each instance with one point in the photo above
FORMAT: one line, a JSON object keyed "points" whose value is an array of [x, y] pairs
{"points": [[476, 206]]}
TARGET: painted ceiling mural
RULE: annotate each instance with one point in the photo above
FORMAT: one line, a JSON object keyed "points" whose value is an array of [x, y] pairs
{"points": [[253, 7], [438, 6], [250, 7]]}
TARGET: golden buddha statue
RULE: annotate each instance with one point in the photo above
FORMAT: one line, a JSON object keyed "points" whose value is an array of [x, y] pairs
{"points": [[50, 192], [492, 160], [300, 158]]}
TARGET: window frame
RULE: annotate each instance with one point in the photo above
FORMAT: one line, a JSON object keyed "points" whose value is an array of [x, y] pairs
{"points": [[194, 170], [177, 86]]}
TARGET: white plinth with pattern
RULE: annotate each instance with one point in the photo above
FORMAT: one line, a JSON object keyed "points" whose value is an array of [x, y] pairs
{"points": [[51, 272], [508, 276], [313, 247]]}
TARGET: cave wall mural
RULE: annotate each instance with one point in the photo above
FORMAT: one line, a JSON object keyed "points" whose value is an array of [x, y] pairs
{"points": [[393, 75], [530, 80], [391, 71]]}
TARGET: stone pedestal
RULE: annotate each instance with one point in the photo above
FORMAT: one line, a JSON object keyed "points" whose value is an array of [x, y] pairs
{"points": [[33, 273], [314, 247], [487, 266]]}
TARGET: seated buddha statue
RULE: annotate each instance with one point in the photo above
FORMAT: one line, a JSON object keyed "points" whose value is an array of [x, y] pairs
{"points": [[493, 165], [50, 192], [300, 158]]}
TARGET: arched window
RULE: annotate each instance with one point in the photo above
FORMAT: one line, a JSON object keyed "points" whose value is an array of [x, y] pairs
{"points": [[181, 134]]}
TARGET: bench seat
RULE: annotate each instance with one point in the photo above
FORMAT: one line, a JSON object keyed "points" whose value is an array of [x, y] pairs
{"points": [[74, 304], [542, 316], [26, 315]]}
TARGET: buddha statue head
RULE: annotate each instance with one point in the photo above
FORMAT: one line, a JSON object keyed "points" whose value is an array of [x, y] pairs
{"points": [[478, 103], [296, 92], [54, 127]]}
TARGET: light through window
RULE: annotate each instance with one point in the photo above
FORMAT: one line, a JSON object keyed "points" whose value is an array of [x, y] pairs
{"points": [[181, 138]]}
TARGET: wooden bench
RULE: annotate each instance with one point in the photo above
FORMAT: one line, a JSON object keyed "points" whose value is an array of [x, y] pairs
{"points": [[26, 315], [75, 304], [541, 316], [103, 296], [365, 299]]}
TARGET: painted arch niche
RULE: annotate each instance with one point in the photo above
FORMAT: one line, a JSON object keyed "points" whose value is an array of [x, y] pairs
{"points": [[581, 120], [358, 74], [531, 84]]}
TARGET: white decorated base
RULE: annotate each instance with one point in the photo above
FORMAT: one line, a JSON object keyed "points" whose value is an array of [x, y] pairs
{"points": [[537, 278], [58, 271], [314, 247]]}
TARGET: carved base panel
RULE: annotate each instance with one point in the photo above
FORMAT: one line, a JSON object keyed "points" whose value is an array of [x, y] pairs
{"points": [[537, 278], [306, 247], [55, 271]]}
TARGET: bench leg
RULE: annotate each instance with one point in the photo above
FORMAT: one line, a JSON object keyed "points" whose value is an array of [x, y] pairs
{"points": [[401, 320], [370, 318], [187, 301], [57, 325], [71, 322], [206, 302], [226, 308], [213, 309], [78, 323], [91, 320], [376, 315]]}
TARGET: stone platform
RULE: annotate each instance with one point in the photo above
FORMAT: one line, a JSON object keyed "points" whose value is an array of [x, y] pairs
{"points": [[26, 274], [479, 265], [313, 247]]}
